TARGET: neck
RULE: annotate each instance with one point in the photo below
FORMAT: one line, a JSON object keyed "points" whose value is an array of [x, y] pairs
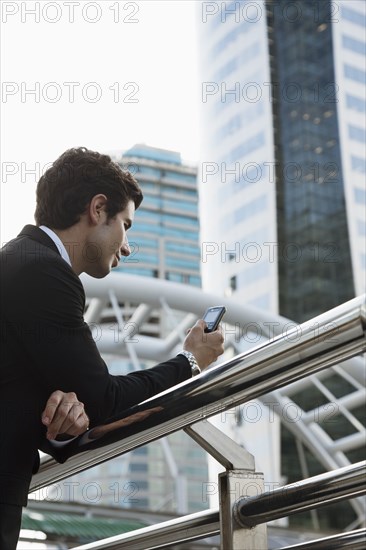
{"points": [[74, 242]]}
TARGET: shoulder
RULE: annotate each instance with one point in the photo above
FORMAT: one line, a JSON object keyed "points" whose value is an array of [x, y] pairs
{"points": [[31, 272]]}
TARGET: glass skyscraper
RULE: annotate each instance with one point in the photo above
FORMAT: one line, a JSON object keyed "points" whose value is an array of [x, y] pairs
{"points": [[283, 165], [282, 171], [166, 229]]}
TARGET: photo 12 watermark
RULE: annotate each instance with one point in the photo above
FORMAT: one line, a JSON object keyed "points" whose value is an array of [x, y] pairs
{"points": [[69, 92], [70, 12], [271, 252], [31, 172], [122, 492], [253, 92], [240, 12], [247, 173]]}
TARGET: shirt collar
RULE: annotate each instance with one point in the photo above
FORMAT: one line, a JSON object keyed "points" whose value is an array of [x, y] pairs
{"points": [[60, 245]]}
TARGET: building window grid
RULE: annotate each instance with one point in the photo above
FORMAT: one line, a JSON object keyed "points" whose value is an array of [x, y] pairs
{"points": [[350, 43], [356, 133], [358, 164], [353, 16], [356, 103], [353, 73], [360, 195], [248, 54]]}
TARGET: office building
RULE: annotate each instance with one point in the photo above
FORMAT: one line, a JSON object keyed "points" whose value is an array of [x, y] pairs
{"points": [[283, 108], [283, 156], [166, 230]]}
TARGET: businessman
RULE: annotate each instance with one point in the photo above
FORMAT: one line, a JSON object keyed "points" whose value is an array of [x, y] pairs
{"points": [[52, 378]]}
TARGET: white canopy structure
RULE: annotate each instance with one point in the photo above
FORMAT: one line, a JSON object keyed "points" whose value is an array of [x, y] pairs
{"points": [[146, 319]]}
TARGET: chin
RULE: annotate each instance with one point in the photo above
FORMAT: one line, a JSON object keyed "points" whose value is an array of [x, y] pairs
{"points": [[99, 273]]}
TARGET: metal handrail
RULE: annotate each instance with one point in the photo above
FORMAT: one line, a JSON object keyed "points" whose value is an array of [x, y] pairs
{"points": [[317, 344], [353, 540], [175, 531], [304, 495], [314, 492]]}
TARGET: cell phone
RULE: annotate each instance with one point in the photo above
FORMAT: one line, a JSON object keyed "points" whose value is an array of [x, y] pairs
{"points": [[213, 316]]}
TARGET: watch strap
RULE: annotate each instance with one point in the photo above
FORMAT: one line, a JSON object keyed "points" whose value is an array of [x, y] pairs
{"points": [[192, 361]]}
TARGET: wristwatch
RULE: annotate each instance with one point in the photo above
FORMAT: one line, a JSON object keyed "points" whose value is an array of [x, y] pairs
{"points": [[192, 361]]}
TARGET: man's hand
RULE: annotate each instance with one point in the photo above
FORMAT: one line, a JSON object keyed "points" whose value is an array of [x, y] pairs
{"points": [[64, 414], [205, 346]]}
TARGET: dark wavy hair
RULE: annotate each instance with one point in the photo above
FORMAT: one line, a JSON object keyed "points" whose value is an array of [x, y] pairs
{"points": [[67, 187]]}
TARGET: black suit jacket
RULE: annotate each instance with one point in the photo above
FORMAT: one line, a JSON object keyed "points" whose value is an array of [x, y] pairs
{"points": [[45, 346]]}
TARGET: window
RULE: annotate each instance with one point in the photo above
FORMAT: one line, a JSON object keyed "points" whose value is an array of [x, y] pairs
{"points": [[356, 17], [233, 283], [360, 195], [176, 277], [356, 133], [247, 147], [182, 247], [361, 228], [355, 74], [358, 164], [354, 45], [356, 103], [195, 281], [180, 220], [182, 263], [250, 209], [179, 205]]}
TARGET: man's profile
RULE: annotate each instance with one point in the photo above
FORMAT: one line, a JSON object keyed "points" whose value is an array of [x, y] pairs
{"points": [[53, 380]]}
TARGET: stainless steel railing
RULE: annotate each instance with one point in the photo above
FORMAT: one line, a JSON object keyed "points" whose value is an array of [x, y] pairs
{"points": [[328, 339], [353, 540], [317, 344], [314, 492], [165, 534], [311, 493]]}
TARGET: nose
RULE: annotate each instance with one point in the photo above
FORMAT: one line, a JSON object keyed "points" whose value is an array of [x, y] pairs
{"points": [[125, 248]]}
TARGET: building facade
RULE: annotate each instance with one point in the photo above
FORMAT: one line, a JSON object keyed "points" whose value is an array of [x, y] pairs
{"points": [[166, 229], [282, 171], [283, 102]]}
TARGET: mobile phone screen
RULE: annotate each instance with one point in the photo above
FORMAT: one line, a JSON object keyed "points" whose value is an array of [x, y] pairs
{"points": [[213, 316]]}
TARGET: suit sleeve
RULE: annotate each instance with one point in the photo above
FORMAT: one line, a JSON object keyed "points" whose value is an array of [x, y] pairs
{"points": [[47, 303]]}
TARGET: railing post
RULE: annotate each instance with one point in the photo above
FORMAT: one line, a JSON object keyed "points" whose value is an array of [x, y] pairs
{"points": [[240, 480], [233, 485]]}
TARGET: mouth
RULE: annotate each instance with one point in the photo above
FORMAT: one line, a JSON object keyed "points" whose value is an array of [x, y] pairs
{"points": [[116, 260]]}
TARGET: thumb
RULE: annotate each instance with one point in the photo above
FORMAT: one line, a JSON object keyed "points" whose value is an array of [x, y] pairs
{"points": [[201, 324]]}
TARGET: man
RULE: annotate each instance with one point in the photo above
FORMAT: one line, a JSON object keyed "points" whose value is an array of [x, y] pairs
{"points": [[49, 361]]}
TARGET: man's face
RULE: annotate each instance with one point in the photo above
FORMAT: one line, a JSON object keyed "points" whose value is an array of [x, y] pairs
{"points": [[109, 242]]}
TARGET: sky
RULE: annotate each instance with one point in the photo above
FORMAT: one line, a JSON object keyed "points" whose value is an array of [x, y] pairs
{"points": [[104, 75]]}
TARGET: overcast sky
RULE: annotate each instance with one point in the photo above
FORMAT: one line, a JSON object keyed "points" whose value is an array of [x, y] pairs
{"points": [[104, 75]]}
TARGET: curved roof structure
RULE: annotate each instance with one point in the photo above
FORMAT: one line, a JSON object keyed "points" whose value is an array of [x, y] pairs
{"points": [[146, 319]]}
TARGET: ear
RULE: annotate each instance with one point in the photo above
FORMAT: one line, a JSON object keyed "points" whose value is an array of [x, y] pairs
{"points": [[97, 209]]}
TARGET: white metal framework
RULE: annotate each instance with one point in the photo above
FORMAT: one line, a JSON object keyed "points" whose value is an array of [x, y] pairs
{"points": [[244, 505], [142, 319]]}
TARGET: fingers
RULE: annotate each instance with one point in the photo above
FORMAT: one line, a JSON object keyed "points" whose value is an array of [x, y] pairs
{"points": [[51, 407], [205, 346], [77, 421], [64, 414]]}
